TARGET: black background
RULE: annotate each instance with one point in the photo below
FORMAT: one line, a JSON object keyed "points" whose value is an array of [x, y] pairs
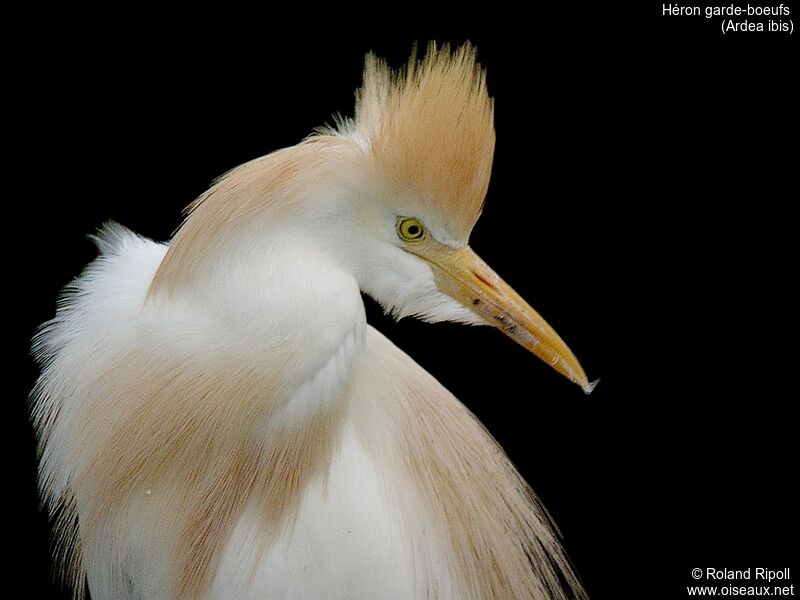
{"points": [[639, 201]]}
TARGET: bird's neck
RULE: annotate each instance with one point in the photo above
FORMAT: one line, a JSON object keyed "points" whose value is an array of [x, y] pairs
{"points": [[284, 310], [236, 211]]}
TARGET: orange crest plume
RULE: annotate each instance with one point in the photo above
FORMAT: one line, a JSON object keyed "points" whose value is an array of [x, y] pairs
{"points": [[429, 128]]}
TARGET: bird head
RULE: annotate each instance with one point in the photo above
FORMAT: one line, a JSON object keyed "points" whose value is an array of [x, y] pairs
{"points": [[392, 196]]}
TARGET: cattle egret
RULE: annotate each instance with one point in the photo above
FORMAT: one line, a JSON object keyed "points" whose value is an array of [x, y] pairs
{"points": [[218, 421]]}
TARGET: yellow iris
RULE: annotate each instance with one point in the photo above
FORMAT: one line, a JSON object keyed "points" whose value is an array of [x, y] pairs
{"points": [[410, 230]]}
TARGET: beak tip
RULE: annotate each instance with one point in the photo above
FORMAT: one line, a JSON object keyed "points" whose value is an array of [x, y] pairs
{"points": [[589, 386]]}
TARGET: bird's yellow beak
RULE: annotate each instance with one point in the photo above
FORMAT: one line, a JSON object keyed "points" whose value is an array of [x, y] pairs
{"points": [[462, 275]]}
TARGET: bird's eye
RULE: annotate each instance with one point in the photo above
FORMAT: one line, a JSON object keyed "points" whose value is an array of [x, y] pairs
{"points": [[410, 230]]}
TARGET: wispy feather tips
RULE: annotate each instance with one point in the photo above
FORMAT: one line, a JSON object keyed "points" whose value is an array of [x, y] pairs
{"points": [[429, 128]]}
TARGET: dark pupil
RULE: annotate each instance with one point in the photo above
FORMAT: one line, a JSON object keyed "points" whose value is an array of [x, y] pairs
{"points": [[413, 230]]}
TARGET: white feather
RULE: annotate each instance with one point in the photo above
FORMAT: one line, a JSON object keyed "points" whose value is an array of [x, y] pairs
{"points": [[367, 526], [217, 420]]}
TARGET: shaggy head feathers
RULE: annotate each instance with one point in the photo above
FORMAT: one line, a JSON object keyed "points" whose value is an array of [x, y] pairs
{"points": [[425, 133], [429, 129]]}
